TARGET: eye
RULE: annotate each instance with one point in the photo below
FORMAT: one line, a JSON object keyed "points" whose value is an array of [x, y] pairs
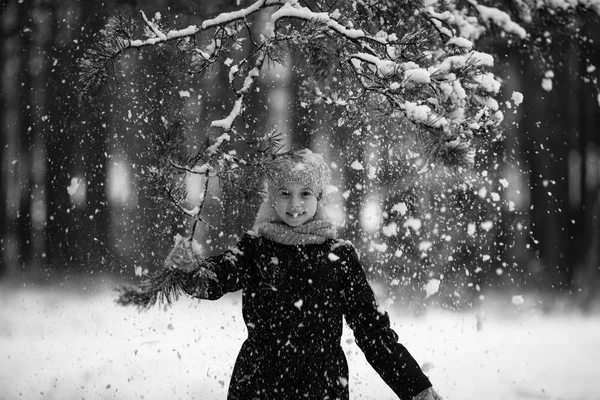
{"points": [[283, 192], [306, 193]]}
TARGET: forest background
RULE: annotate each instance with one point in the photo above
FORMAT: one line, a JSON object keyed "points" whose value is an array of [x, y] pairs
{"points": [[74, 202], [524, 229]]}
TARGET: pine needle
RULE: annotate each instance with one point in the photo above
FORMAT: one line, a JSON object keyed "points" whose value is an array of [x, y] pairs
{"points": [[99, 62], [163, 287]]}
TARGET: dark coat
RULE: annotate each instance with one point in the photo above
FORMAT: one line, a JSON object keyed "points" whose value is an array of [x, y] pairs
{"points": [[294, 298]]}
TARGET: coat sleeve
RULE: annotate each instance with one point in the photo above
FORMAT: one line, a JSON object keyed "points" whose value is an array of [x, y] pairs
{"points": [[221, 274], [373, 334]]}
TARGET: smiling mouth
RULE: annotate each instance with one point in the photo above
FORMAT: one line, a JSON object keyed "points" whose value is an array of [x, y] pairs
{"points": [[296, 215]]}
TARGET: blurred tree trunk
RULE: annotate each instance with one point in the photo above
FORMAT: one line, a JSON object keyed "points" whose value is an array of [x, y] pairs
{"points": [[17, 85], [24, 228], [557, 130], [75, 141], [25, 64], [59, 137], [353, 181], [302, 117], [39, 65], [585, 207], [93, 132], [546, 148], [4, 138], [3, 163], [9, 139]]}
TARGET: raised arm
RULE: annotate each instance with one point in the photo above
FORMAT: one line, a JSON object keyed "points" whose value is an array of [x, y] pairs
{"points": [[215, 276], [374, 336], [186, 271]]}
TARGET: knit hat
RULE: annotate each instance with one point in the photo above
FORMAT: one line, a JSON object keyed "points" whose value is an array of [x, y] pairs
{"points": [[302, 166]]}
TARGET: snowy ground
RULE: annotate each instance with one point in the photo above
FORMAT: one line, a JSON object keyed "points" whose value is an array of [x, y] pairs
{"points": [[57, 344]]}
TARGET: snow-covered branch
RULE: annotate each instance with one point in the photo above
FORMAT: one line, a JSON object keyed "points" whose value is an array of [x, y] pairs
{"points": [[500, 18], [422, 64], [227, 18], [238, 107], [303, 13], [394, 70], [372, 60], [192, 30]]}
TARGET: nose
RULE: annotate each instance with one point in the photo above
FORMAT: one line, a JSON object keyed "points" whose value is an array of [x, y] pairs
{"points": [[296, 202]]}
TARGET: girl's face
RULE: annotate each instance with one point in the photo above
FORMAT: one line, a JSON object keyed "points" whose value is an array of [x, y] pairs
{"points": [[295, 204]]}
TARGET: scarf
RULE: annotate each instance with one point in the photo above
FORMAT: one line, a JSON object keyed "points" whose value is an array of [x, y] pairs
{"points": [[314, 232]]}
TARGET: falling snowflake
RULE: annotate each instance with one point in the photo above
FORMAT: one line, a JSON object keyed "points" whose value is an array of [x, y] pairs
{"points": [[517, 300], [431, 287]]}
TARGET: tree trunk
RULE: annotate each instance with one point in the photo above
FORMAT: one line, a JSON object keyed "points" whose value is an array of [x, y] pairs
{"points": [[546, 149], [585, 235], [7, 140], [59, 139], [76, 232], [302, 118], [21, 127]]}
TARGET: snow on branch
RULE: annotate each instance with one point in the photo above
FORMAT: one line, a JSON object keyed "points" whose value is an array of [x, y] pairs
{"points": [[298, 12], [391, 57], [227, 122], [500, 18], [226, 18], [392, 60], [221, 20], [98, 63]]}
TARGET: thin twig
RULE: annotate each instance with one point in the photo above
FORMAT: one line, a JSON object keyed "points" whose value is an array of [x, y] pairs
{"points": [[201, 206], [183, 210], [153, 27], [188, 169]]}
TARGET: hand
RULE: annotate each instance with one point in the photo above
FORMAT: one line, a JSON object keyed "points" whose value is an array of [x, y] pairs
{"points": [[182, 256], [428, 394]]}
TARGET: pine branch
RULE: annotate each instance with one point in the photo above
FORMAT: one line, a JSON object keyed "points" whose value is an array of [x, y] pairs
{"points": [[451, 151], [398, 68], [164, 287], [444, 30], [204, 169], [99, 62]]}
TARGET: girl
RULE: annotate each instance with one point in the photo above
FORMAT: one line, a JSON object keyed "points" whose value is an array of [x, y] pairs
{"points": [[297, 282]]}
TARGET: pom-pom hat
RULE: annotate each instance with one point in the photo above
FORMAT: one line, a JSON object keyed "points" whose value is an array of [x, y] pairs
{"points": [[302, 166]]}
